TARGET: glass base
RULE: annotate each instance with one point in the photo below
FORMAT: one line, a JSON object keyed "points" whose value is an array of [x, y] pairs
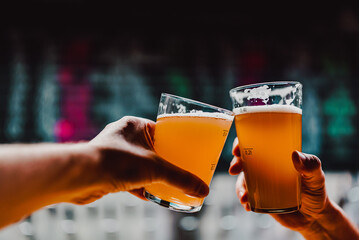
{"points": [[276, 211], [173, 206]]}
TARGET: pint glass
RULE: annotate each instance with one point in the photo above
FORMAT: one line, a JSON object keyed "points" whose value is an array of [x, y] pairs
{"points": [[268, 119], [190, 135]]}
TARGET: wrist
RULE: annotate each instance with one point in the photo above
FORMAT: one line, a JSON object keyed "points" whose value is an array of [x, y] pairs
{"points": [[83, 163], [329, 212], [317, 227], [314, 231], [335, 223]]}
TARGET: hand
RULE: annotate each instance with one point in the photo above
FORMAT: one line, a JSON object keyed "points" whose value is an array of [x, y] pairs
{"points": [[314, 195], [127, 162]]}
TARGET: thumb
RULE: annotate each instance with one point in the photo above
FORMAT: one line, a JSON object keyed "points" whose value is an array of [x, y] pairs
{"points": [[183, 180], [310, 168]]}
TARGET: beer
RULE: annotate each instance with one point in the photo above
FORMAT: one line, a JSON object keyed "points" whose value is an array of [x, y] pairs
{"points": [[191, 141], [267, 136]]}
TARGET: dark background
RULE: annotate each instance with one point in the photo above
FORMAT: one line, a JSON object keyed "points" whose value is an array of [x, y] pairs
{"points": [[69, 67]]}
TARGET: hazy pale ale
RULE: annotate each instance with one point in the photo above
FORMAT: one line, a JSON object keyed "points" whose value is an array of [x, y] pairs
{"points": [[267, 135], [193, 141]]}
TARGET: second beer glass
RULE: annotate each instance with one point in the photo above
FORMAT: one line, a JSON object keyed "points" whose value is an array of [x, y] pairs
{"points": [[269, 128], [190, 135]]}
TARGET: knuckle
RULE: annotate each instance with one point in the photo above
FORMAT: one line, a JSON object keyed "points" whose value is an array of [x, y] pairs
{"points": [[129, 124], [129, 119], [122, 123], [126, 119], [109, 125]]}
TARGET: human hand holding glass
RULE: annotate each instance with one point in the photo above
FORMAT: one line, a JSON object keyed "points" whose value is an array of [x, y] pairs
{"points": [[128, 162], [119, 158], [318, 217]]}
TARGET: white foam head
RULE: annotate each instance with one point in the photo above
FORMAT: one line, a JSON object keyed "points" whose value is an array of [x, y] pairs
{"points": [[268, 108], [264, 92]]}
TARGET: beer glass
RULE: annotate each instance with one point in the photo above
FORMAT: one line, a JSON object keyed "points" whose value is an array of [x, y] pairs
{"points": [[190, 135], [268, 120]]}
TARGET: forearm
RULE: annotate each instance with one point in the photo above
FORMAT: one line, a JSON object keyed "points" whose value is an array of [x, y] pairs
{"points": [[332, 223], [337, 224], [36, 175]]}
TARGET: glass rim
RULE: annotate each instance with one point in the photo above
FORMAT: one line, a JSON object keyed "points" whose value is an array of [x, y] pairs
{"points": [[219, 109], [264, 83]]}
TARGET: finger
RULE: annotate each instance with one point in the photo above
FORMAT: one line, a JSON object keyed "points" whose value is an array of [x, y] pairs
{"points": [[308, 165], [235, 166], [244, 198], [138, 193], [241, 187], [147, 168], [135, 130], [241, 191], [181, 179], [88, 197], [235, 148]]}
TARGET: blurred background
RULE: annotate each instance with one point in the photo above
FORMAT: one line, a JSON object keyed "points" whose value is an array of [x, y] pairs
{"points": [[67, 68]]}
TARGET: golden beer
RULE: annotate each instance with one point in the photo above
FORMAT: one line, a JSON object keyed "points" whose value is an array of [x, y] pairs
{"points": [[267, 137], [191, 141]]}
